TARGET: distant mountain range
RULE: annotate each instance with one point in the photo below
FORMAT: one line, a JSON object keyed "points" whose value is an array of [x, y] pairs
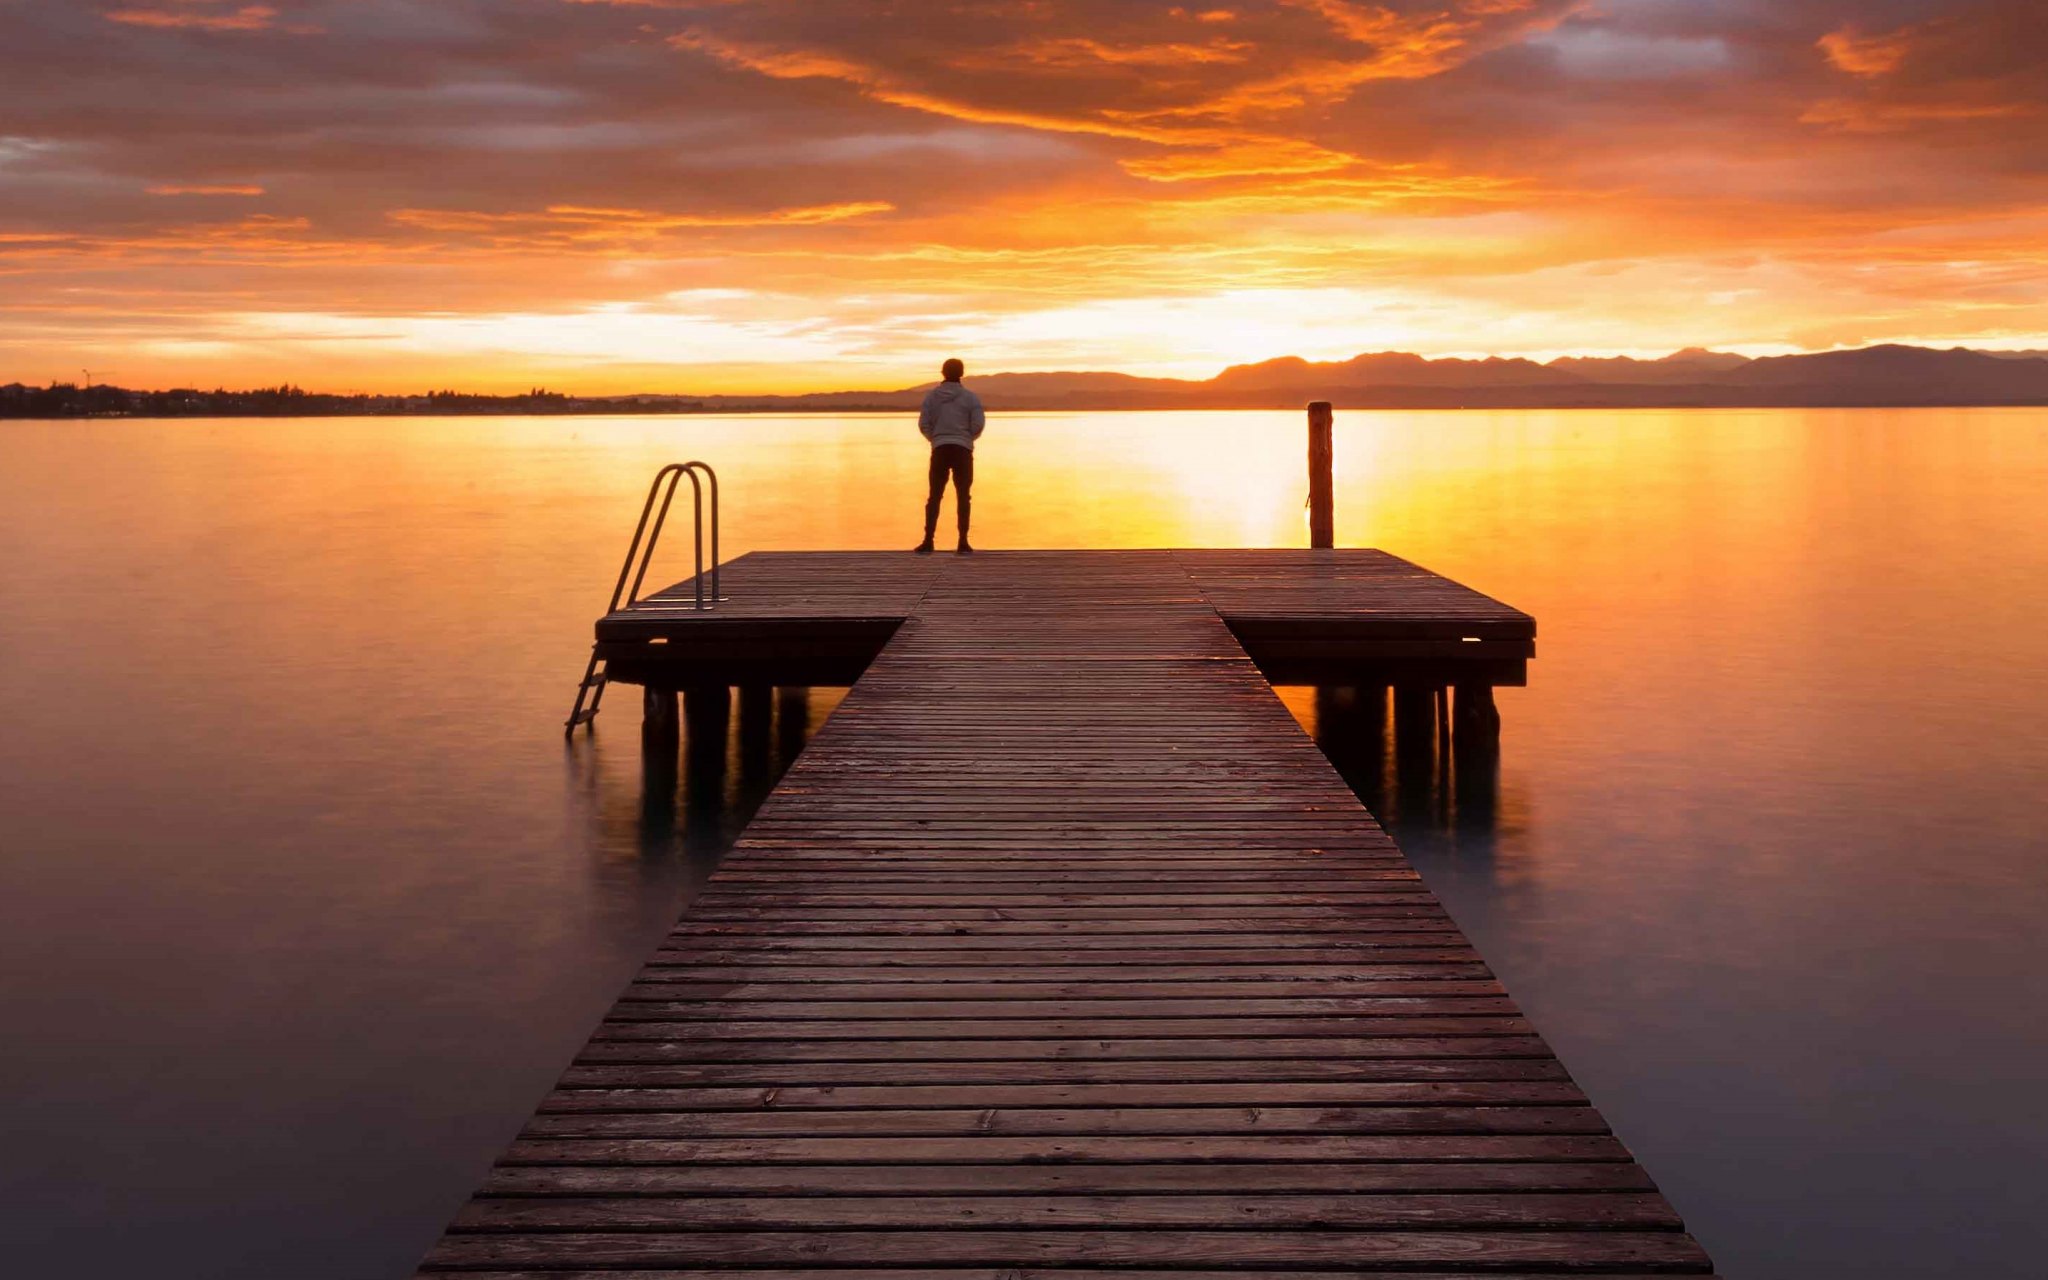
{"points": [[1872, 376], [1883, 376]]}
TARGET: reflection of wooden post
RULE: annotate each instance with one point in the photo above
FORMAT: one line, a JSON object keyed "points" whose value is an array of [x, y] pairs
{"points": [[1322, 520]]}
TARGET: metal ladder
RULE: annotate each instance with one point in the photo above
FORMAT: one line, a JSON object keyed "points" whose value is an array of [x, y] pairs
{"points": [[590, 691]]}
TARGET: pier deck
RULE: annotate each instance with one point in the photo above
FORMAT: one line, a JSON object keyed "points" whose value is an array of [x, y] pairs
{"points": [[1061, 949], [819, 617]]}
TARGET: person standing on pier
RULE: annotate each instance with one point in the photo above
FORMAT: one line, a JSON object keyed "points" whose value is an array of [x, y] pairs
{"points": [[952, 419]]}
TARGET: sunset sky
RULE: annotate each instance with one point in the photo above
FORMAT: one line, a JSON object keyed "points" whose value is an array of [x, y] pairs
{"points": [[702, 195]]}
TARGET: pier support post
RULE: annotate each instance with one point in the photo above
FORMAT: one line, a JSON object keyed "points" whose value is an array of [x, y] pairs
{"points": [[792, 722], [1322, 519], [708, 709], [660, 726], [1420, 761], [757, 729], [1351, 728], [1332, 710], [1372, 706], [1475, 755], [1414, 718], [1476, 719]]}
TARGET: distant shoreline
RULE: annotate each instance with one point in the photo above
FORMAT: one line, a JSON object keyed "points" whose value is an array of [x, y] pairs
{"points": [[1881, 377], [821, 411]]}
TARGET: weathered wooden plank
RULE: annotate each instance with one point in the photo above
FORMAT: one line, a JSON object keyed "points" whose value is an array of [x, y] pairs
{"points": [[1073, 1149], [1018, 1121], [1588, 1210], [654, 1007], [1363, 936], [771, 973], [937, 1077], [1021, 1179], [1005, 1273], [984, 962], [1589, 1251], [1097, 1051], [877, 986], [901, 875], [1333, 1026], [644, 1097]]}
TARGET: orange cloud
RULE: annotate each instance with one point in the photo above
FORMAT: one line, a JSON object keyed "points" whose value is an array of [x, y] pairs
{"points": [[203, 189], [1216, 109], [1403, 45], [1430, 42], [260, 239], [1216, 152], [574, 224], [255, 17], [1886, 117], [1074, 51], [1861, 55]]}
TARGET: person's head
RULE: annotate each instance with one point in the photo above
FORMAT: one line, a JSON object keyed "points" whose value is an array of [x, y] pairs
{"points": [[951, 370]]}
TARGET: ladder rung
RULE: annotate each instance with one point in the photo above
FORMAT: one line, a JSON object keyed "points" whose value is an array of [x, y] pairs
{"points": [[583, 717], [592, 681]]}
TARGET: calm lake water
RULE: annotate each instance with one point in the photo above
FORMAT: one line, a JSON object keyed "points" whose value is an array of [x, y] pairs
{"points": [[304, 903]]}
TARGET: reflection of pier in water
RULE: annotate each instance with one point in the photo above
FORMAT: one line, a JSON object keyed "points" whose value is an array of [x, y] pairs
{"points": [[1062, 948], [1404, 755], [697, 787]]}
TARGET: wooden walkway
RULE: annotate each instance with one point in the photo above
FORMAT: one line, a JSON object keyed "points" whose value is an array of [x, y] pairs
{"points": [[1063, 949]]}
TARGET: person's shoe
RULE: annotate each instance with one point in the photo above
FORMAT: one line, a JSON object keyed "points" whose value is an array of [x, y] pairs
{"points": [[924, 548], [963, 549]]}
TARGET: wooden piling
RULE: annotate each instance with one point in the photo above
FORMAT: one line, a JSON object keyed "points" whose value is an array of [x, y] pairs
{"points": [[1476, 719], [1322, 526], [708, 708], [660, 725], [792, 721], [1414, 719], [757, 728]]}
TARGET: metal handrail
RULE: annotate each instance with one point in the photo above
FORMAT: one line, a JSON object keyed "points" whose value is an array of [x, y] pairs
{"points": [[590, 693], [673, 473]]}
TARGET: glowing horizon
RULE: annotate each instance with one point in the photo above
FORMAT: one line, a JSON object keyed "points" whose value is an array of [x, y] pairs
{"points": [[610, 196]]}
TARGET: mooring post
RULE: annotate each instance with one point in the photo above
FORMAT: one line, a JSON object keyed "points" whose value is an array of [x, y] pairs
{"points": [[1322, 519]]}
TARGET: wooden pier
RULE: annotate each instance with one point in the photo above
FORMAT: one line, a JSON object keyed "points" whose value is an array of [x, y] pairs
{"points": [[1062, 949], [820, 617]]}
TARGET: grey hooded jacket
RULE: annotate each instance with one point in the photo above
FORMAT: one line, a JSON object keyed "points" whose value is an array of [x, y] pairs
{"points": [[951, 415]]}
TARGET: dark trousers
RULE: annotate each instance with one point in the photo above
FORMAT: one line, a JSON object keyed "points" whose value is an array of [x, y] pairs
{"points": [[957, 461]]}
